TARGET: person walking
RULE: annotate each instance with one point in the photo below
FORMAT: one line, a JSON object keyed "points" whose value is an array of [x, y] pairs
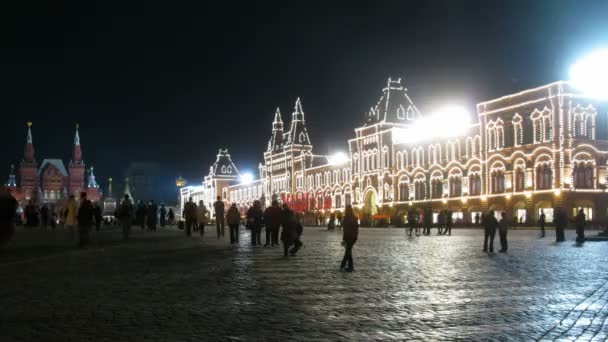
{"points": [[440, 222], [288, 234], [448, 223], [561, 222], [255, 219], [44, 216], [191, 215], [86, 215], [140, 215], [503, 229], [412, 219], [70, 215], [297, 242], [580, 226], [163, 215], [272, 221], [350, 234], [152, 215], [98, 216], [125, 215], [428, 221], [202, 217], [31, 215], [489, 225], [171, 217], [218, 207], [8, 216], [233, 218], [541, 223], [331, 225]]}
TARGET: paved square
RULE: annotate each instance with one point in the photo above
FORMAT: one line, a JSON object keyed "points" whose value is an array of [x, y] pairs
{"points": [[166, 287]]}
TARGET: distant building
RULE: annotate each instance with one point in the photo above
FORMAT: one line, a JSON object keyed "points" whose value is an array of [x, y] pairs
{"points": [[51, 182]]}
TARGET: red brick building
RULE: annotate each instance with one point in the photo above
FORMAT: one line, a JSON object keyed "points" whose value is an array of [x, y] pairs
{"points": [[50, 182]]}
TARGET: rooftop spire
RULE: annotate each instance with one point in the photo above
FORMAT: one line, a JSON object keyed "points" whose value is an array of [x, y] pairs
{"points": [[92, 183], [12, 179], [29, 145], [77, 136], [277, 125], [298, 114], [77, 152]]}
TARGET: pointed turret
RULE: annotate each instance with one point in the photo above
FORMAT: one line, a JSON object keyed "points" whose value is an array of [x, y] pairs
{"points": [[76, 167], [298, 134], [276, 139], [92, 183], [394, 106], [28, 168], [128, 190], [12, 179], [28, 154]]}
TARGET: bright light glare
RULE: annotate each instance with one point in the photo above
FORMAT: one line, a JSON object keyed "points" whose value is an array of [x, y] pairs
{"points": [[449, 121], [246, 178], [590, 74], [338, 158]]}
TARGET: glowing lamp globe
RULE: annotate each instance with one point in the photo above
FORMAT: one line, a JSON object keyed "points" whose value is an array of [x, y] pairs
{"points": [[246, 178], [180, 182], [338, 158], [590, 74]]}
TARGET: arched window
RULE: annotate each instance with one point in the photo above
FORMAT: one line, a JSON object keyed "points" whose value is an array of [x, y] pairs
{"points": [[404, 191], [469, 147], [436, 188], [347, 198], [491, 136], [520, 179], [338, 201], [500, 136], [544, 177], [404, 164], [455, 186], [474, 184], [356, 163], [385, 157], [420, 190], [547, 128], [518, 134], [583, 176], [498, 181]]}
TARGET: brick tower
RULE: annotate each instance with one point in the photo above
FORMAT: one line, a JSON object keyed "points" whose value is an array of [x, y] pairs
{"points": [[29, 168], [76, 168]]}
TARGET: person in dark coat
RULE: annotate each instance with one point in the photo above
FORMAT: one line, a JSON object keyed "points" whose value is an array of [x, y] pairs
{"points": [[272, 221], [297, 242], [86, 216], [428, 221], [541, 223], [219, 207], [98, 216], [233, 218], [31, 214], [412, 219], [489, 225], [152, 215], [44, 216], [8, 216], [350, 234], [503, 229], [477, 218], [140, 215], [440, 222], [289, 232], [255, 220], [331, 225], [190, 215], [163, 215], [448, 223], [171, 217], [561, 222], [125, 216], [580, 226]]}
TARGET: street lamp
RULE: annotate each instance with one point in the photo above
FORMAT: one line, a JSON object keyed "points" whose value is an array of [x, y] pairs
{"points": [[590, 74]]}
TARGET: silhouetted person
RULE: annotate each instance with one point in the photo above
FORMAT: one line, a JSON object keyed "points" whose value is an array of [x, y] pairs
{"points": [[503, 229], [331, 225], [218, 207], [125, 216], [152, 215], [190, 215], [561, 222], [448, 223], [171, 217], [440, 222], [86, 215], [580, 226], [201, 217], [541, 223], [163, 215], [8, 215], [412, 219], [428, 220], [255, 219], [489, 225], [53, 218], [297, 242], [233, 217], [44, 216], [477, 218], [31, 214], [140, 215], [98, 216], [350, 234], [272, 221], [288, 234]]}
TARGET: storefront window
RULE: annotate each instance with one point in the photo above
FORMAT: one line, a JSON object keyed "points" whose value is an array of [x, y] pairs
{"points": [[548, 214], [521, 215], [587, 210]]}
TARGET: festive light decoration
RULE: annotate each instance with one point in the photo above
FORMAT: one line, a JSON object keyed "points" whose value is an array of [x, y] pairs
{"points": [[590, 74]]}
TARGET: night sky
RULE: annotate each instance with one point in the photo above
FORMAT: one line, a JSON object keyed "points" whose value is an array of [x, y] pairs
{"points": [[172, 83]]}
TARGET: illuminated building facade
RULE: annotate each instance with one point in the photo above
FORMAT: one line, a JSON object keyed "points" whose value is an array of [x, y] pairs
{"points": [[50, 181], [535, 150]]}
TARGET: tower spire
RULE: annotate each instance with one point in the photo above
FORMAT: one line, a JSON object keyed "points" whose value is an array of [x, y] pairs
{"points": [[110, 187], [92, 183], [29, 144], [277, 124], [298, 113], [12, 179], [77, 152]]}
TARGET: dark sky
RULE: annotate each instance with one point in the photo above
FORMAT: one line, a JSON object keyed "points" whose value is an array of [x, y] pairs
{"points": [[171, 82]]}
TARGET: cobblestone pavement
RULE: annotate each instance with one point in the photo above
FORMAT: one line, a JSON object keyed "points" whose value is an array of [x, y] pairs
{"points": [[166, 287]]}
